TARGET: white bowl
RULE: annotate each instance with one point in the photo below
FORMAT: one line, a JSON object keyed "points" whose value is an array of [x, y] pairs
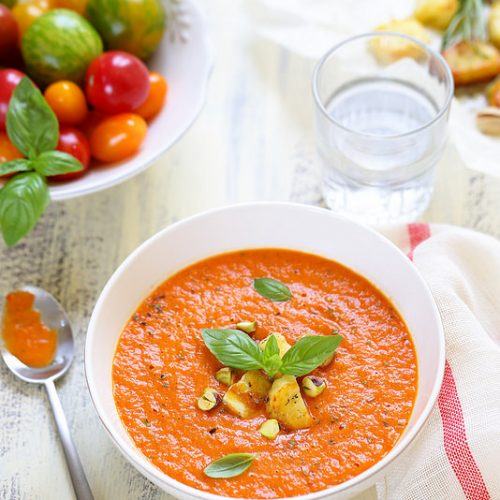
{"points": [[261, 225], [184, 57]]}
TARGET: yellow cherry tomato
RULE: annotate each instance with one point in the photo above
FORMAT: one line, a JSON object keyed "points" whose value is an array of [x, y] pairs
{"points": [[158, 89], [117, 137], [67, 100], [25, 13]]}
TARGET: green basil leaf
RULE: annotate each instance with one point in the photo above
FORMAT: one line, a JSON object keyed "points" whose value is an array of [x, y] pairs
{"points": [[233, 348], [308, 353], [230, 465], [272, 347], [272, 359], [31, 125], [23, 200], [13, 166], [56, 163], [272, 289]]}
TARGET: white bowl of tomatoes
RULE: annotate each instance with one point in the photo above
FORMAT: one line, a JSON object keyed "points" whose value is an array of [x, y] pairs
{"points": [[131, 102]]}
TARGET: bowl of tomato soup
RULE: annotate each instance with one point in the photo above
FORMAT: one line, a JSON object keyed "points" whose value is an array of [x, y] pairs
{"points": [[264, 350]]}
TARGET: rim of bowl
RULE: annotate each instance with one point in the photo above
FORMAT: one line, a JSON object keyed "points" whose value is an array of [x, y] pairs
{"points": [[148, 469], [371, 34]]}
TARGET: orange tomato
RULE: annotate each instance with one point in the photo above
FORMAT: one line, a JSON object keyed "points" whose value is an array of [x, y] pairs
{"points": [[117, 137], [158, 89], [78, 6], [25, 13], [67, 100], [8, 151]]}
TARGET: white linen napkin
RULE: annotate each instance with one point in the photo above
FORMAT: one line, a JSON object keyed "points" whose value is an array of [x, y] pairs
{"points": [[457, 455]]}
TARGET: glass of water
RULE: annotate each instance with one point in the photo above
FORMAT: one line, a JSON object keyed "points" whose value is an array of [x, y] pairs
{"points": [[382, 104]]}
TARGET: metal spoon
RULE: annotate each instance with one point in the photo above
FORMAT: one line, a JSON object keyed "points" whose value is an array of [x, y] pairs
{"points": [[54, 317]]}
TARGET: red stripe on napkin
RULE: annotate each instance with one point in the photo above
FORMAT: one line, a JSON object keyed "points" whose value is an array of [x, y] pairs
{"points": [[455, 440], [417, 234], [454, 435]]}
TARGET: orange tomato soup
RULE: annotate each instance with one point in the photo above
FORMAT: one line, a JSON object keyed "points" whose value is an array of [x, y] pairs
{"points": [[24, 334], [162, 366]]}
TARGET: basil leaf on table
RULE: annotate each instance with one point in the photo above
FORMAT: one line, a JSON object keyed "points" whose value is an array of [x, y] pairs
{"points": [[14, 166], [230, 465], [233, 348], [308, 353], [31, 125], [55, 163], [23, 200], [272, 289]]}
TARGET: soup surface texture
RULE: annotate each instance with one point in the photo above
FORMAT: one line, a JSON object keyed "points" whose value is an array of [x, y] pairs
{"points": [[162, 366]]}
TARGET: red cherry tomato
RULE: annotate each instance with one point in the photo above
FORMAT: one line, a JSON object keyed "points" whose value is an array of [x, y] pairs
{"points": [[73, 142], [9, 35], [116, 82], [9, 78]]}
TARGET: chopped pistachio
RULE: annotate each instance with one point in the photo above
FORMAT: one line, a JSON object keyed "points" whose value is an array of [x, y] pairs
{"points": [[313, 386], [247, 326], [226, 376], [209, 399], [270, 428]]}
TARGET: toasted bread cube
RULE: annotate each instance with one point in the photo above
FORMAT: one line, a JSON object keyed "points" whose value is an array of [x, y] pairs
{"points": [[436, 14], [390, 49], [238, 400], [258, 385], [282, 343], [286, 404]]}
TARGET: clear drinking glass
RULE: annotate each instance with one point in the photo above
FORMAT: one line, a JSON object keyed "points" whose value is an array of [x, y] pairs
{"points": [[382, 103]]}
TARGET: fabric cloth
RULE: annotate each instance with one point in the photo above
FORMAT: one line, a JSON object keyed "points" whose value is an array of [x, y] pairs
{"points": [[457, 455]]}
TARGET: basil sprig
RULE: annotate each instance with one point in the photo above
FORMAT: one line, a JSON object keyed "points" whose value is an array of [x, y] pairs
{"points": [[272, 289], [33, 128], [230, 465], [237, 350]]}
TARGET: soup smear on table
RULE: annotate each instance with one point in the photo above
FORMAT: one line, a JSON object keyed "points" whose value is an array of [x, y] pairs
{"points": [[162, 366]]}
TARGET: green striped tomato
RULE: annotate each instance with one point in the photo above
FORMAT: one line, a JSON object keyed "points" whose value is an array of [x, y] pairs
{"points": [[60, 45], [134, 26]]}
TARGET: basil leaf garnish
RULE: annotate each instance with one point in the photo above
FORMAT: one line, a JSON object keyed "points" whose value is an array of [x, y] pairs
{"points": [[233, 348], [272, 359], [308, 353], [23, 200], [272, 347], [230, 465], [272, 289], [13, 166], [31, 125], [55, 163]]}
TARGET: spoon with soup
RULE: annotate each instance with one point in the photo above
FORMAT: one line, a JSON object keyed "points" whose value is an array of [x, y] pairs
{"points": [[38, 348]]}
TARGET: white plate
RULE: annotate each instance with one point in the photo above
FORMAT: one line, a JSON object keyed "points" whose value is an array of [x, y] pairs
{"points": [[185, 59]]}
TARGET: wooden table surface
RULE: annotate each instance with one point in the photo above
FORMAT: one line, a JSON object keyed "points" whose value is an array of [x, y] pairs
{"points": [[253, 141]]}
